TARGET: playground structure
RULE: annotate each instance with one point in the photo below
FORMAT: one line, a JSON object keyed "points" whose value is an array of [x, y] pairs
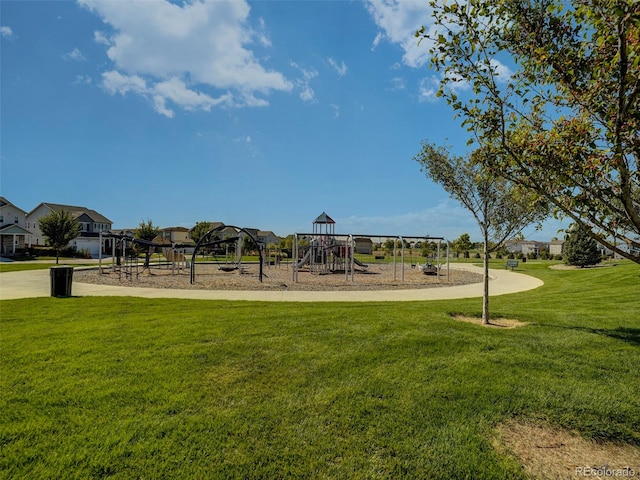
{"points": [[230, 241], [126, 261], [219, 253], [324, 252]]}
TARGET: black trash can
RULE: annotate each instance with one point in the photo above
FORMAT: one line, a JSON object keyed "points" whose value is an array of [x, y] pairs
{"points": [[61, 280]]}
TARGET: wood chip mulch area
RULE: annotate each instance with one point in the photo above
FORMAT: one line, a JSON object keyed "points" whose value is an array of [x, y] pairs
{"points": [[210, 277]]}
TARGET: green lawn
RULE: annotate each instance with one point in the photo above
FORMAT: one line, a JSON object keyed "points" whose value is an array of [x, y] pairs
{"points": [[133, 388]]}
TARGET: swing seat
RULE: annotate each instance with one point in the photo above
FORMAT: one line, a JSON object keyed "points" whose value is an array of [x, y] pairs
{"points": [[428, 269], [227, 269]]}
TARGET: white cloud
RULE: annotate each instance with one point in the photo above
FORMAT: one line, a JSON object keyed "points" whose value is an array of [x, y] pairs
{"points": [[427, 89], [101, 38], [429, 86], [115, 82], [83, 80], [186, 52], [504, 72], [398, 21], [75, 55], [6, 32], [340, 68], [397, 83], [336, 110], [307, 94], [173, 89]]}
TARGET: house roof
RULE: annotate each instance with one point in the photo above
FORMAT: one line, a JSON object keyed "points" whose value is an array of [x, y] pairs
{"points": [[175, 229], [14, 229], [4, 202], [75, 211]]}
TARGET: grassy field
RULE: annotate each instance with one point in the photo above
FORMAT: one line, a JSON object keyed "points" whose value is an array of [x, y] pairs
{"points": [[134, 388]]}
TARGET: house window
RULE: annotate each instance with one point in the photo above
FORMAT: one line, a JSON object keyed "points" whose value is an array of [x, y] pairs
{"points": [[15, 220], [1, 218]]}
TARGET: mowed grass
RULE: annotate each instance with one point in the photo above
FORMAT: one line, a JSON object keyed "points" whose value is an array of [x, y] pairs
{"points": [[134, 388]]}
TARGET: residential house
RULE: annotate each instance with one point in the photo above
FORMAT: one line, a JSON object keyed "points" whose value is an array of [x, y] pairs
{"points": [[14, 236], [91, 222], [556, 247], [267, 237], [177, 235], [525, 247]]}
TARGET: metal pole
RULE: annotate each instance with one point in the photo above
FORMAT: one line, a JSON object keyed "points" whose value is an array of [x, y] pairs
{"points": [[447, 259], [438, 265], [295, 258], [395, 245], [352, 259], [113, 254], [402, 256]]}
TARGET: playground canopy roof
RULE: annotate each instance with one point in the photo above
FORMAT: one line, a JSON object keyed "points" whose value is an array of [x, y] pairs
{"points": [[324, 218]]}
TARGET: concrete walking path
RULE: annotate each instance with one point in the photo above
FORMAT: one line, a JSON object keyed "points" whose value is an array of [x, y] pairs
{"points": [[37, 283]]}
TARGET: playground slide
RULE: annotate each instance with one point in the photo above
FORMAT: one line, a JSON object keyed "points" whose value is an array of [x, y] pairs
{"points": [[304, 260], [359, 263]]}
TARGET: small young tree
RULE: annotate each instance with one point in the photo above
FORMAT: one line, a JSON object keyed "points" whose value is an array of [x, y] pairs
{"points": [[59, 228], [146, 231], [580, 249], [500, 208]]}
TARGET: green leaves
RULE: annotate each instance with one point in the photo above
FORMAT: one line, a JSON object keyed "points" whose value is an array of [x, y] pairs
{"points": [[566, 123], [59, 228]]}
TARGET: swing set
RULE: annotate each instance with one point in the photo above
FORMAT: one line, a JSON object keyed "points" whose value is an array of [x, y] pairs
{"points": [[213, 242]]}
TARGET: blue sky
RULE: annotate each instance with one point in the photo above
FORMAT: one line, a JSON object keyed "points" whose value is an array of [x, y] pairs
{"points": [[259, 114]]}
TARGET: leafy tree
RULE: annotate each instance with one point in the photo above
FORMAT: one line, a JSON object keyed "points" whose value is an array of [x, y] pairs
{"points": [[551, 90], [580, 248], [200, 229], [388, 245], [59, 228], [463, 244], [500, 208], [286, 243], [146, 231]]}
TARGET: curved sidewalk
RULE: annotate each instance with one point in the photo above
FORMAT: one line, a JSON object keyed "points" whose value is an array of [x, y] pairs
{"points": [[36, 283]]}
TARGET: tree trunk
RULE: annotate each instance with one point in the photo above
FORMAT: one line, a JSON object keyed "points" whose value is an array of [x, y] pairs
{"points": [[485, 294]]}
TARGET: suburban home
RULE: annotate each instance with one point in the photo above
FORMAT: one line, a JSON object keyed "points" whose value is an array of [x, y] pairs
{"points": [[177, 234], [363, 245], [91, 222], [14, 236], [556, 247], [525, 247], [267, 237]]}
